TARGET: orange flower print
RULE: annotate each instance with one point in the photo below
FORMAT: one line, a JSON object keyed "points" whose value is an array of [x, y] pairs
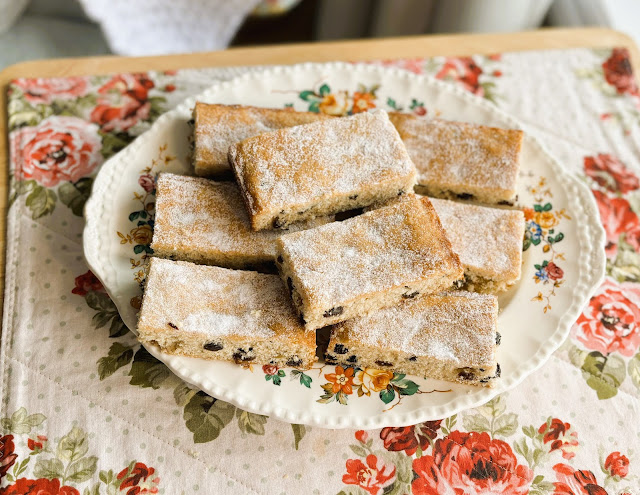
{"points": [[334, 104], [342, 380], [362, 102], [528, 213], [545, 219]]}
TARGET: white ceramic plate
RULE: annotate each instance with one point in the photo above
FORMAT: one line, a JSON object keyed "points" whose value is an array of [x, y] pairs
{"points": [[562, 225]]}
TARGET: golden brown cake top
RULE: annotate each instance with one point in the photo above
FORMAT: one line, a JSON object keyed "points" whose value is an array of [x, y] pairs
{"points": [[216, 301], [303, 164], [370, 253], [192, 211], [458, 327], [450, 153], [487, 239], [219, 126]]}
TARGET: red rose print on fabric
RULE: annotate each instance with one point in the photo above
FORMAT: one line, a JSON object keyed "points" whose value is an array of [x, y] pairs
{"points": [[361, 436], [58, 149], [47, 90], [409, 438], [610, 173], [470, 463], [618, 72], [617, 217], [372, 476], [573, 482], [617, 464], [7, 455], [561, 437], [87, 282], [37, 444], [610, 322], [138, 479], [43, 486], [415, 65], [464, 71], [123, 102]]}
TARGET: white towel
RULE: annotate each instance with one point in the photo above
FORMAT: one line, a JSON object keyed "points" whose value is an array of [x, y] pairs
{"points": [[155, 27]]}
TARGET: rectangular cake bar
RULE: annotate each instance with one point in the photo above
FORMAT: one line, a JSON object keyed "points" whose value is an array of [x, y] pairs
{"points": [[451, 336], [488, 242], [216, 313], [321, 168], [205, 222], [216, 127], [458, 160], [347, 269]]}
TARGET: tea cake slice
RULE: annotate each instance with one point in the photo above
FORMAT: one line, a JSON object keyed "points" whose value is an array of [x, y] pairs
{"points": [[451, 336], [216, 127], [459, 160], [203, 221], [216, 313], [321, 168], [347, 269], [488, 242]]}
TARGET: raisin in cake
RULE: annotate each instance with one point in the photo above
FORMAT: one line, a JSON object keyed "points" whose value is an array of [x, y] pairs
{"points": [[488, 242], [451, 336], [215, 313], [216, 127], [458, 160], [321, 168], [204, 221], [347, 269]]}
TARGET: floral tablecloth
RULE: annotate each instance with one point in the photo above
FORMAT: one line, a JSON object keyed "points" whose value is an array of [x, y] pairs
{"points": [[86, 410]]}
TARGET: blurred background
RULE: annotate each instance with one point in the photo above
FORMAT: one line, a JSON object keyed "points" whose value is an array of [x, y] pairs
{"points": [[37, 29]]}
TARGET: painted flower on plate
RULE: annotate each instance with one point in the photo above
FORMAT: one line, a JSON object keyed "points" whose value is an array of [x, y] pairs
{"points": [[610, 322], [58, 149], [342, 380], [371, 380]]}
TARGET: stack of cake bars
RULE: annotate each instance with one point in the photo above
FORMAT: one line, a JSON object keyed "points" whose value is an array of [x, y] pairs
{"points": [[403, 282]]}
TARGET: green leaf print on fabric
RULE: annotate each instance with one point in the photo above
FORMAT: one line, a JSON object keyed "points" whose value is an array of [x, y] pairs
{"points": [[146, 371], [20, 422], [205, 417], [251, 423], [49, 468], [73, 446], [119, 355], [106, 312], [299, 431], [491, 418], [75, 194], [82, 470], [634, 370], [604, 374], [41, 201]]}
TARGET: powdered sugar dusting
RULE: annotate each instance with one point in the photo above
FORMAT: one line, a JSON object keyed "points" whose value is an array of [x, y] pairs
{"points": [[216, 301], [220, 126], [377, 251], [457, 327], [304, 164], [487, 240], [450, 154], [208, 217]]}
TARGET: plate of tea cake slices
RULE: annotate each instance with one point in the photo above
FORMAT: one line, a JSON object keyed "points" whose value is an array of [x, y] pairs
{"points": [[344, 245]]}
